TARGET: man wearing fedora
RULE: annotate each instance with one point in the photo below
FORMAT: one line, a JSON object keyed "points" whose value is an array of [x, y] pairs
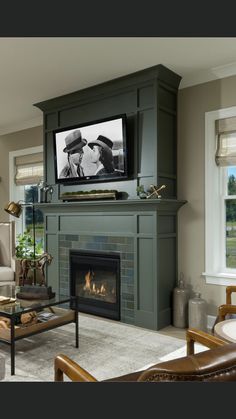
{"points": [[74, 149], [102, 155]]}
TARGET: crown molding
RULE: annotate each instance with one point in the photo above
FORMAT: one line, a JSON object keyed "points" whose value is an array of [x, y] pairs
{"points": [[34, 122], [225, 70], [193, 79], [205, 76]]}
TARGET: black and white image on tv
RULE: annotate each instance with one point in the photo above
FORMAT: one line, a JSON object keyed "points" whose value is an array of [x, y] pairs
{"points": [[87, 151], [102, 156], [74, 149]]}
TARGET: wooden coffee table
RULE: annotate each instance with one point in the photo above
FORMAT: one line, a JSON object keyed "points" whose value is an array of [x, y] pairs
{"points": [[226, 330]]}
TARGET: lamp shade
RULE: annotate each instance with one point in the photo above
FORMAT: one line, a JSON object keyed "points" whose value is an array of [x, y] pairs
{"points": [[14, 208]]}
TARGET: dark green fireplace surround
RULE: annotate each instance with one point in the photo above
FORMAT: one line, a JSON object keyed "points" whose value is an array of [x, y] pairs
{"points": [[144, 232]]}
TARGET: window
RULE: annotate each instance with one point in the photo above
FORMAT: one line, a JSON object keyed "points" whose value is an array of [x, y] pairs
{"points": [[220, 197], [230, 217], [26, 170]]}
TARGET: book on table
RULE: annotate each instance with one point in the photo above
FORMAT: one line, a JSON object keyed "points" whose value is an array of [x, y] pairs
{"points": [[44, 316], [6, 300]]}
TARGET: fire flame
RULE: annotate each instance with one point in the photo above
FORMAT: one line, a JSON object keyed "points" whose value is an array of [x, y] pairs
{"points": [[91, 287], [88, 277]]}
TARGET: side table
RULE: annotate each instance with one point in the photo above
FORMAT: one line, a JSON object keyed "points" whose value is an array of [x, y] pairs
{"points": [[226, 330]]}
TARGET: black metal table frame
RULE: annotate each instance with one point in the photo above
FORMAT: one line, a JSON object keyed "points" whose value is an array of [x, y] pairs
{"points": [[14, 316]]}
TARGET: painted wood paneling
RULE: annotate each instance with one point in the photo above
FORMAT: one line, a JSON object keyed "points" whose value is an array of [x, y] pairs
{"points": [[149, 100], [97, 223]]}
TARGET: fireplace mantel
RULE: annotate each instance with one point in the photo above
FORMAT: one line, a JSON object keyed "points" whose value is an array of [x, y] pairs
{"points": [[142, 231], [138, 204]]}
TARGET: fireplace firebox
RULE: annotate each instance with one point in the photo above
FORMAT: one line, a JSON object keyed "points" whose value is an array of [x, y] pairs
{"points": [[95, 280]]}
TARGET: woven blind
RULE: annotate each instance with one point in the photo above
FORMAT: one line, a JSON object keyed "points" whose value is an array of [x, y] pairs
{"points": [[226, 142], [29, 169]]}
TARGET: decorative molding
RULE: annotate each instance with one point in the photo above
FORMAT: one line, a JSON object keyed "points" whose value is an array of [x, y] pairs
{"points": [[198, 77], [193, 79], [225, 70], [159, 205], [220, 278], [204, 76], [34, 122]]}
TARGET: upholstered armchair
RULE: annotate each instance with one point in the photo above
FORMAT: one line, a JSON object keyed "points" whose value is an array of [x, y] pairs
{"points": [[216, 364], [7, 246]]}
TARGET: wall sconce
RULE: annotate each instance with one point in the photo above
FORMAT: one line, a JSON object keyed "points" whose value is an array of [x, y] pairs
{"points": [[14, 208]]}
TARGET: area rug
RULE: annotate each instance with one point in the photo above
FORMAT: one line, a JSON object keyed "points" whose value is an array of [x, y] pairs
{"points": [[106, 349], [179, 353]]}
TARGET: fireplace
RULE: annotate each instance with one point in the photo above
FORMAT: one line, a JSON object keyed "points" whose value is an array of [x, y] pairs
{"points": [[95, 280]]}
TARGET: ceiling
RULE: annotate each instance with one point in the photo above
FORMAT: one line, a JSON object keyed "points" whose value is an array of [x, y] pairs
{"points": [[36, 69]]}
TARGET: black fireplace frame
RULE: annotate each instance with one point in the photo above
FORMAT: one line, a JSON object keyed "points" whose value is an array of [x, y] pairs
{"points": [[92, 306]]}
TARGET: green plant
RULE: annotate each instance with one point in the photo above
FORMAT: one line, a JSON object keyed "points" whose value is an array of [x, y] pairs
{"points": [[140, 189], [25, 246], [141, 192]]}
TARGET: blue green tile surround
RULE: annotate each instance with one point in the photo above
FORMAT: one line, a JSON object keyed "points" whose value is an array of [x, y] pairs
{"points": [[123, 245]]}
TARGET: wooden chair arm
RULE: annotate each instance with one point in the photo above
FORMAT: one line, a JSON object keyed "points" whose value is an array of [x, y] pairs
{"points": [[194, 335], [225, 309], [229, 290], [65, 365]]}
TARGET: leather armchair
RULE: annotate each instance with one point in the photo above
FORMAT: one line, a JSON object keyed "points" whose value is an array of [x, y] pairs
{"points": [[217, 364], [228, 310]]}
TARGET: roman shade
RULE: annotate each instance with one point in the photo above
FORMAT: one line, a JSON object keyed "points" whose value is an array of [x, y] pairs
{"points": [[29, 169], [226, 142]]}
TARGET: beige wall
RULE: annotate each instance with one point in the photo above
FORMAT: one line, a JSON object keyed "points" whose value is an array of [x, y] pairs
{"points": [[193, 103], [18, 140]]}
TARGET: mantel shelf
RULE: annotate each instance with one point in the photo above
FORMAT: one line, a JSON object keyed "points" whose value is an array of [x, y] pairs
{"points": [[141, 204]]}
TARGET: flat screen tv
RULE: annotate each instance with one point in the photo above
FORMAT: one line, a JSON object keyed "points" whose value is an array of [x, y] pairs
{"points": [[91, 152]]}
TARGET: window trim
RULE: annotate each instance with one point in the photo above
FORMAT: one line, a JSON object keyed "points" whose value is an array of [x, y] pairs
{"points": [[214, 211], [13, 196]]}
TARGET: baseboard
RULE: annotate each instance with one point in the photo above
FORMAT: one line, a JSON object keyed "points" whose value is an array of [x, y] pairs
{"points": [[210, 321]]}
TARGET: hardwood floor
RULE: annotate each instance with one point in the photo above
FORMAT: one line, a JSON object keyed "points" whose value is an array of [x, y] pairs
{"points": [[174, 332]]}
